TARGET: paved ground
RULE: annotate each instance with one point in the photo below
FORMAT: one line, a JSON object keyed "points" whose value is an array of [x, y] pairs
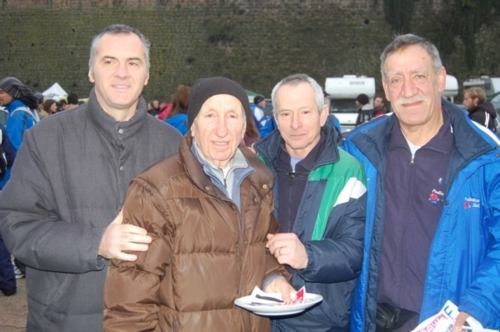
{"points": [[13, 309]]}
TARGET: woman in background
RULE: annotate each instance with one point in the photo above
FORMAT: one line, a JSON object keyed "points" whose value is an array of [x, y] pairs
{"points": [[180, 102], [50, 106]]}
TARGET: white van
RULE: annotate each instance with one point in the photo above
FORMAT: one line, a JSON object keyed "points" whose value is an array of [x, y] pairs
{"points": [[451, 88], [343, 92], [490, 85]]}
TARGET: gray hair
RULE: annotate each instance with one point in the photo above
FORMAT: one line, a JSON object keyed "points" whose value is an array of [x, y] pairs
{"points": [[116, 29], [296, 79], [403, 41]]}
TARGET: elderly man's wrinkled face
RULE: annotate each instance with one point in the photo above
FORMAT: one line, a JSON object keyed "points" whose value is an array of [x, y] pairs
{"points": [[413, 87], [219, 128], [5, 98]]}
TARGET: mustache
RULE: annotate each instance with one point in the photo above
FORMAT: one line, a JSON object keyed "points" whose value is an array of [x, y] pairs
{"points": [[414, 99]]}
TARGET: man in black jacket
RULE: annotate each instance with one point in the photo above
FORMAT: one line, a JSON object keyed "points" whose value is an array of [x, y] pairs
{"points": [[479, 109]]}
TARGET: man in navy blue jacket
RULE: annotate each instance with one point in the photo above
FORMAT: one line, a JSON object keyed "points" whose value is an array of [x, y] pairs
{"points": [[433, 213]]}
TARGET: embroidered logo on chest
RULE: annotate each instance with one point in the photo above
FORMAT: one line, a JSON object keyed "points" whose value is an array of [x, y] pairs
{"points": [[437, 195], [471, 202]]}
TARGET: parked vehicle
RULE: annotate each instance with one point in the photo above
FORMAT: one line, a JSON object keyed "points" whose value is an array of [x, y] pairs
{"points": [[490, 85], [343, 92], [451, 88], [495, 101]]}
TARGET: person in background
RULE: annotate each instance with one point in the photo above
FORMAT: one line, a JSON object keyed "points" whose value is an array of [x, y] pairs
{"points": [[433, 220], [50, 106], [259, 117], [8, 285], [61, 105], [319, 195], [379, 106], [208, 210], [165, 111], [77, 166], [72, 101], [252, 135], [479, 109], [21, 104], [42, 114], [365, 109], [180, 103], [268, 128], [155, 108], [332, 119]]}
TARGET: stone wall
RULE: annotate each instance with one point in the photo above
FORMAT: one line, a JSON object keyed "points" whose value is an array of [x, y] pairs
{"points": [[254, 42]]}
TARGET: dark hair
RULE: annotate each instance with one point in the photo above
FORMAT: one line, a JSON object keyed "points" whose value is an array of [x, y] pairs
{"points": [[362, 99], [72, 98], [251, 133], [180, 100], [47, 104], [257, 99]]}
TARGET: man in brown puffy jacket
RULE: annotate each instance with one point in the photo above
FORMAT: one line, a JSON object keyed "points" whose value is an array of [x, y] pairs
{"points": [[208, 210]]}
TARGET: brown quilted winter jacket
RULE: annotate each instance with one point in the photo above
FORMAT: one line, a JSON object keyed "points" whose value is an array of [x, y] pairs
{"points": [[205, 252]]}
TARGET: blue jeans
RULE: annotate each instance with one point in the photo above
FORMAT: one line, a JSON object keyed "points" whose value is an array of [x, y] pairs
{"points": [[7, 276]]}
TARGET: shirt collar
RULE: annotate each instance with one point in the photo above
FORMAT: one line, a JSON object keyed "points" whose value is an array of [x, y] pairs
{"points": [[442, 141]]}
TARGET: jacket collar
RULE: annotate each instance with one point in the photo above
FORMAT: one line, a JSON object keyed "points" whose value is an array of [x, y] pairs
{"points": [[328, 153], [261, 179], [441, 142], [372, 139], [111, 128], [15, 104]]}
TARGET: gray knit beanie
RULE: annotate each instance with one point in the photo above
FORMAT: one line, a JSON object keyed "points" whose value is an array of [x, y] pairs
{"points": [[205, 88]]}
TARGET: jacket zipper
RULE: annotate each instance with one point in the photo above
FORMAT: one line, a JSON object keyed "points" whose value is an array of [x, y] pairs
{"points": [[240, 236]]}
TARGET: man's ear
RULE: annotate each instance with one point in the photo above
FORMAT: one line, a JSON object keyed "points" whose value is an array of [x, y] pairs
{"points": [[323, 115]]}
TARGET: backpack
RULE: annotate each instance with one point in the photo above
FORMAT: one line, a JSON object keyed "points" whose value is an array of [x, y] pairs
{"points": [[26, 110]]}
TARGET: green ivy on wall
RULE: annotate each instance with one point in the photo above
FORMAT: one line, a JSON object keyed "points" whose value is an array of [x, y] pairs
{"points": [[463, 19], [398, 14]]}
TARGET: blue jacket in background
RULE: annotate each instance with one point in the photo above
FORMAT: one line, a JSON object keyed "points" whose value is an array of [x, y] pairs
{"points": [[18, 122], [464, 260], [10, 154], [179, 121], [334, 260]]}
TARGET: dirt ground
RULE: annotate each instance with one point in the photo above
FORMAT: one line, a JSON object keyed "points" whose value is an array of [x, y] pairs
{"points": [[13, 309]]}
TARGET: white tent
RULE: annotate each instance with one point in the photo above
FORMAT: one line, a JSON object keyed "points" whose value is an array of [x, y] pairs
{"points": [[55, 92]]}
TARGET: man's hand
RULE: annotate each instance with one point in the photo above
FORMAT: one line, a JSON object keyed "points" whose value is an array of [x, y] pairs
{"points": [[288, 249], [459, 321], [280, 285], [119, 237]]}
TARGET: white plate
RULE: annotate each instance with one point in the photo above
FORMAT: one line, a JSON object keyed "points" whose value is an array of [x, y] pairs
{"points": [[280, 309]]}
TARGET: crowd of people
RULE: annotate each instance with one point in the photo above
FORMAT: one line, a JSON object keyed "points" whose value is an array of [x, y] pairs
{"points": [[136, 216]]}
